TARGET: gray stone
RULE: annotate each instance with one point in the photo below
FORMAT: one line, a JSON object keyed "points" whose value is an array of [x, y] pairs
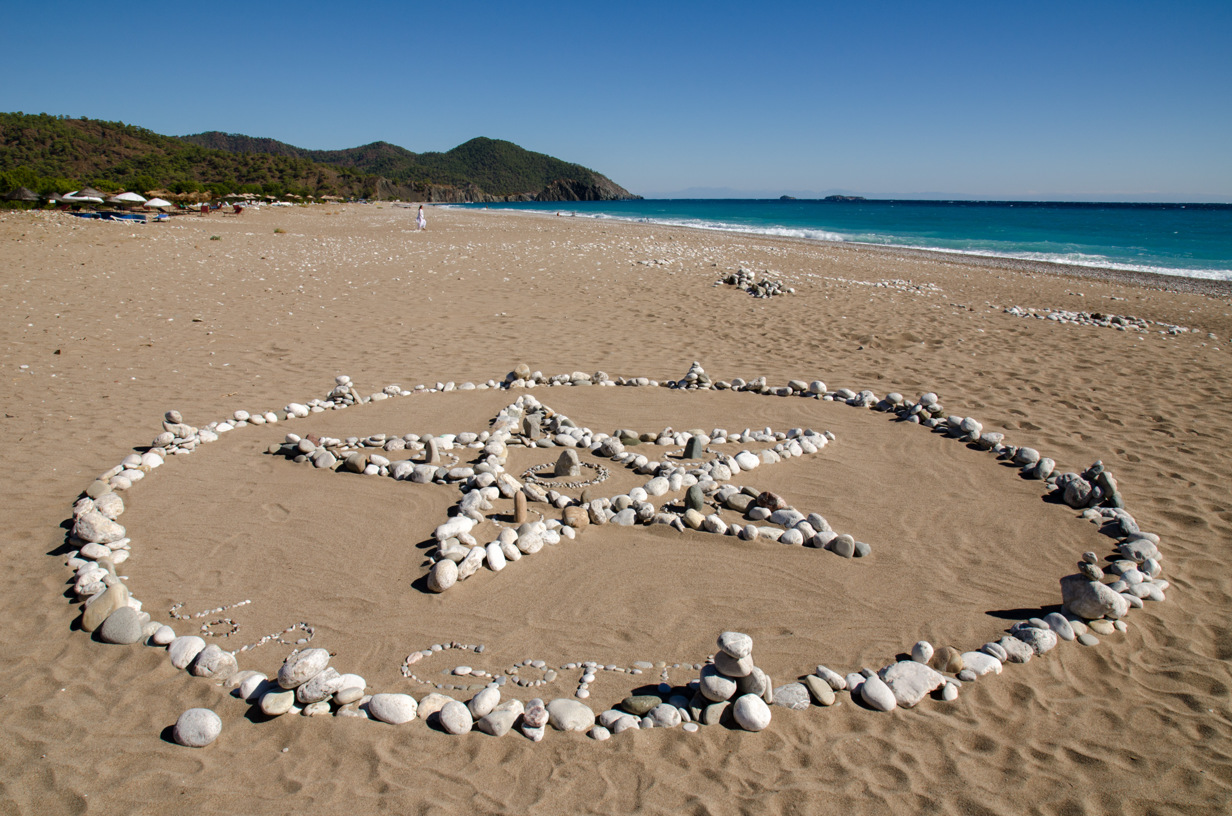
{"points": [[843, 545], [1016, 650], [911, 681], [820, 689], [570, 715], [833, 679], [500, 721], [432, 704], [751, 712], [443, 575], [213, 662], [394, 709], [183, 650], [979, 664], [96, 528], [1087, 639], [1091, 599], [792, 695], [715, 686], [640, 704], [1059, 624], [736, 644], [694, 498], [101, 608], [693, 448], [275, 703], [455, 718], [123, 626], [484, 702], [197, 728], [1041, 641], [877, 695], [665, 715], [322, 686], [301, 667], [732, 667], [568, 464]]}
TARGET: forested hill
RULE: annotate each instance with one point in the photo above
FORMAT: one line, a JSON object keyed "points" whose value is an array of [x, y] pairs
{"points": [[494, 167], [58, 154]]}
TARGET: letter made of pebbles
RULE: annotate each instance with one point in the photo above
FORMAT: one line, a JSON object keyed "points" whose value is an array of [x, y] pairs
{"points": [[197, 728]]}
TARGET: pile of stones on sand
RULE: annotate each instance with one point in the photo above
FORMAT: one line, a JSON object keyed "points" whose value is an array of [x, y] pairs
{"points": [[746, 280], [1095, 600], [1099, 319]]}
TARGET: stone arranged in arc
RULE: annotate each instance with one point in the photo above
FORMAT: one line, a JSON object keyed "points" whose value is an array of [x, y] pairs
{"points": [[1094, 596]]}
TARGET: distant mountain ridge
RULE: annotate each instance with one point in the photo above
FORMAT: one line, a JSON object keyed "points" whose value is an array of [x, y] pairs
{"points": [[57, 154], [481, 169]]}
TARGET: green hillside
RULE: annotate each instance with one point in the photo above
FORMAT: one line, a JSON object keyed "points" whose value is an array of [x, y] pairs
{"points": [[58, 154]]}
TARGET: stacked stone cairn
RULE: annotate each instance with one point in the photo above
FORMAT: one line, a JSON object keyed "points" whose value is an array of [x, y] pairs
{"points": [[1095, 600], [733, 680]]}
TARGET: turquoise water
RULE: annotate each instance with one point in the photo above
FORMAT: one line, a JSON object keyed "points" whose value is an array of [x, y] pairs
{"points": [[1191, 240]]}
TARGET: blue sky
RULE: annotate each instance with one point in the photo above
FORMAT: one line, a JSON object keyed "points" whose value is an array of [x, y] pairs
{"points": [[1077, 99]]}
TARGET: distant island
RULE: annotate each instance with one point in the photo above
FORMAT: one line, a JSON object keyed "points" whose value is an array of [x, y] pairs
{"points": [[844, 198], [55, 154]]}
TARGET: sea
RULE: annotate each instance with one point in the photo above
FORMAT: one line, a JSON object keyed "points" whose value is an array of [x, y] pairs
{"points": [[1189, 240]]}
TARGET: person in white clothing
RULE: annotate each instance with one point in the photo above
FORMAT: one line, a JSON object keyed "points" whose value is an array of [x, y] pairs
{"points": [[420, 221]]}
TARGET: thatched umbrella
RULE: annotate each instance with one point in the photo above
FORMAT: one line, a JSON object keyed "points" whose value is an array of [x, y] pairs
{"points": [[22, 194], [90, 192]]}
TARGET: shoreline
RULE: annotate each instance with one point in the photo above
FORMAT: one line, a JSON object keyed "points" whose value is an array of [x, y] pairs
{"points": [[1151, 280]]}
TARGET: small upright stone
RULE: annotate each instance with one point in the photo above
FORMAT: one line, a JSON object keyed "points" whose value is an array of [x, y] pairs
{"points": [[693, 448], [568, 465]]}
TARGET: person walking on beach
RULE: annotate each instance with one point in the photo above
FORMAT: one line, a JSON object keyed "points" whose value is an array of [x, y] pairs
{"points": [[420, 221]]}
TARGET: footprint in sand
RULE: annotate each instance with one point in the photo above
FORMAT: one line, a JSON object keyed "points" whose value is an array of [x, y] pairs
{"points": [[276, 512]]}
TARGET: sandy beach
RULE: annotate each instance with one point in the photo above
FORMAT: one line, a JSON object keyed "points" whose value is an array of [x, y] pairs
{"points": [[106, 326]]}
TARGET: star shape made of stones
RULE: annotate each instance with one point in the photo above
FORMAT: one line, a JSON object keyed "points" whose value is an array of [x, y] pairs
{"points": [[690, 463]]}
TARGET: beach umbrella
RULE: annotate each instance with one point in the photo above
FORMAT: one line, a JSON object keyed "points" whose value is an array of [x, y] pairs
{"points": [[22, 194], [158, 203], [127, 198], [90, 192], [80, 197]]}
